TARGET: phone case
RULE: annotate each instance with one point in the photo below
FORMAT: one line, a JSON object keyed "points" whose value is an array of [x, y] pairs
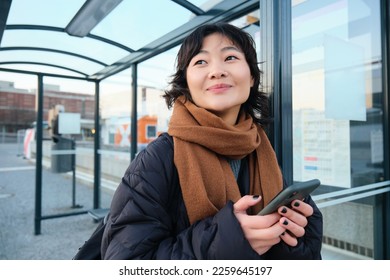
{"points": [[298, 190]]}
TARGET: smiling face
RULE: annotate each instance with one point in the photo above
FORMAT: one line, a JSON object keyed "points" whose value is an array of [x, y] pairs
{"points": [[219, 78]]}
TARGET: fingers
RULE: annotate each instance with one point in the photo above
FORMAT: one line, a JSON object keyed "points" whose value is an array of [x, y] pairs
{"points": [[262, 232], [298, 212], [295, 229], [302, 207], [293, 216], [245, 202], [267, 233], [261, 240], [256, 222], [289, 239], [294, 220]]}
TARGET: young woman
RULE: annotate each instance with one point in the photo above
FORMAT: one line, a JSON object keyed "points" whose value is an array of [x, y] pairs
{"points": [[194, 192]]}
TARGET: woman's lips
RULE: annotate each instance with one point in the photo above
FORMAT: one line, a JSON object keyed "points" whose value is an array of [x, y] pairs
{"points": [[219, 88]]}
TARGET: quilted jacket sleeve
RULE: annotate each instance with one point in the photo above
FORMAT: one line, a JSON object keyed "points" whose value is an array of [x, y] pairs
{"points": [[145, 222]]}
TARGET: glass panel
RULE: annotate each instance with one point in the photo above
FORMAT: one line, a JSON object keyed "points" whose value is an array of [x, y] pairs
{"points": [[251, 24], [252, 18], [135, 24], [68, 161], [153, 78], [337, 108], [115, 124], [17, 107], [56, 13]]}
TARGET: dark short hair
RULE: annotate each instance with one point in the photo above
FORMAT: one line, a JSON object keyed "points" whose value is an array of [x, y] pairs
{"points": [[257, 103]]}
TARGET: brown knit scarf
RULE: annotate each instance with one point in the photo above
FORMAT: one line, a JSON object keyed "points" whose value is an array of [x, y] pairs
{"points": [[202, 142]]}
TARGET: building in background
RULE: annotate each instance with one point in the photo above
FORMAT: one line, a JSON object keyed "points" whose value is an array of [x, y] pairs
{"points": [[18, 107]]}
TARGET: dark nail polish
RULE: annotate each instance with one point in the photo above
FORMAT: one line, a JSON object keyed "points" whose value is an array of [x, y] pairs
{"points": [[284, 210], [296, 204], [255, 196], [285, 222]]}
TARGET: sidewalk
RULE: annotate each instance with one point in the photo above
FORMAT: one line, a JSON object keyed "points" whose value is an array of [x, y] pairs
{"points": [[60, 238]]}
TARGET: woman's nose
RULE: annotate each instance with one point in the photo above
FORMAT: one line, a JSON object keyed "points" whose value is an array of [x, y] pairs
{"points": [[217, 72]]}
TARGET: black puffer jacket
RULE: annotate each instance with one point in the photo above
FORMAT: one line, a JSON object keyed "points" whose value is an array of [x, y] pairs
{"points": [[148, 219]]}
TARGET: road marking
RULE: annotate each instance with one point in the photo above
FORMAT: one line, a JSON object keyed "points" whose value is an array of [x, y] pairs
{"points": [[7, 169]]}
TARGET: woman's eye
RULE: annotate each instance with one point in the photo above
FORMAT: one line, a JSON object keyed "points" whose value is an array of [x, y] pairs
{"points": [[199, 62], [231, 57]]}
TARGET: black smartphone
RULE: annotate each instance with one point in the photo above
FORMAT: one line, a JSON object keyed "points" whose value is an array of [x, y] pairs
{"points": [[298, 190]]}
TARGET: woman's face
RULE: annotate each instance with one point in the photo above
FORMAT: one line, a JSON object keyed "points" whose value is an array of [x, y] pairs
{"points": [[219, 77]]}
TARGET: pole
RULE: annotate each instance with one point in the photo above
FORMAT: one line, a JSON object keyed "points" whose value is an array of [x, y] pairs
{"points": [[74, 205], [38, 162]]}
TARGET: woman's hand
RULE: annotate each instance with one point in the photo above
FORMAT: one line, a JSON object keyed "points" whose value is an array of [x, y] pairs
{"points": [[262, 232], [294, 220]]}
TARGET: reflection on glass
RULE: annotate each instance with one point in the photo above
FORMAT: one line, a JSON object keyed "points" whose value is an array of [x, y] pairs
{"points": [[337, 108], [337, 92]]}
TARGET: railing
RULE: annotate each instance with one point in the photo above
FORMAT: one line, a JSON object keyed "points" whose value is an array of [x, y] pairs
{"points": [[338, 197], [6, 137], [349, 224]]}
